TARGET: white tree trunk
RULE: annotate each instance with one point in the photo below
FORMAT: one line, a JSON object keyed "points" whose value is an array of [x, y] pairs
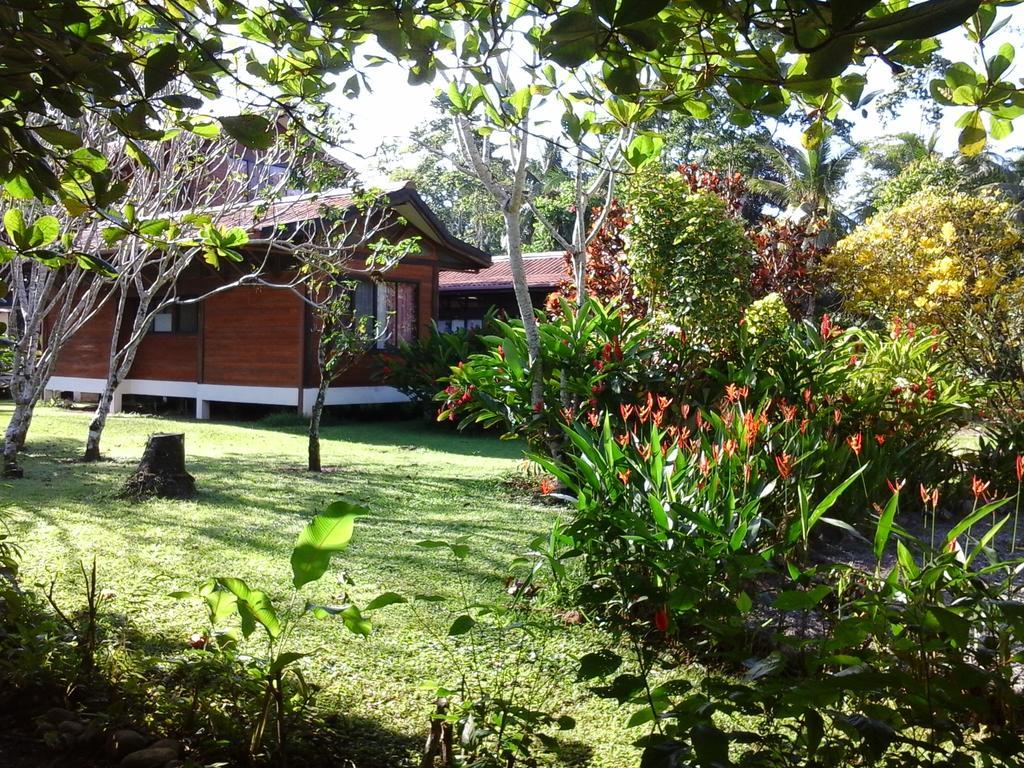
{"points": [[14, 437], [513, 233]]}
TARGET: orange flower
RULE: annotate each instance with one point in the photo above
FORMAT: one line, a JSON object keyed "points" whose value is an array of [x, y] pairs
{"points": [[978, 488], [732, 393], [1020, 468], [626, 411], [924, 493], [895, 487], [664, 402], [624, 476], [837, 415], [856, 442], [784, 464], [547, 485], [594, 418], [729, 447], [880, 439], [704, 466]]}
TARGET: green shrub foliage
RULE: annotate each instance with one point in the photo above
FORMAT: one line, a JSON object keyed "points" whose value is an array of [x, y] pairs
{"points": [[688, 256]]}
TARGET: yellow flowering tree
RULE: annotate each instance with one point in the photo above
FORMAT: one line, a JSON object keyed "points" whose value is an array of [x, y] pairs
{"points": [[937, 260]]}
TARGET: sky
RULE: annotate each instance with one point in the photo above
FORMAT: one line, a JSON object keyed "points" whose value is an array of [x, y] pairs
{"points": [[393, 109]]}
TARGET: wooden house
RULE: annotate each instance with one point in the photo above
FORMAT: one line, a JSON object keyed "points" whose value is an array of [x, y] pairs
{"points": [[465, 298], [256, 343]]}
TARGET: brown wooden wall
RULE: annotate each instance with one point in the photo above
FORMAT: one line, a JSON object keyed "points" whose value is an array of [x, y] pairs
{"points": [[249, 336], [88, 352], [253, 336]]}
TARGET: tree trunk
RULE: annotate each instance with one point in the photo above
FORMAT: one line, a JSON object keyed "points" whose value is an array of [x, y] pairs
{"points": [[99, 421], [513, 235], [161, 471], [14, 438], [314, 423]]}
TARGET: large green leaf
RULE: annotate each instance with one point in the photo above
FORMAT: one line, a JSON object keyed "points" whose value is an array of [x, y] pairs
{"points": [[917, 21], [253, 131], [254, 607], [327, 533]]}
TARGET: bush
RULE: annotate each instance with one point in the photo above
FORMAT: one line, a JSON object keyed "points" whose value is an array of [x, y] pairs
{"points": [[689, 256], [937, 260], [591, 356], [417, 368]]}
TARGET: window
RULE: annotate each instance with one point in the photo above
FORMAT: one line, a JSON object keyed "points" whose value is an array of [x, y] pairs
{"points": [[181, 318], [393, 309]]}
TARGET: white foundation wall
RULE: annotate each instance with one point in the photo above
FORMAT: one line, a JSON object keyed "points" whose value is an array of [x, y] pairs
{"points": [[204, 394]]}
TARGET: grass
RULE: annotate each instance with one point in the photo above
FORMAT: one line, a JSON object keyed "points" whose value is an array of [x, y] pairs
{"points": [[419, 482]]}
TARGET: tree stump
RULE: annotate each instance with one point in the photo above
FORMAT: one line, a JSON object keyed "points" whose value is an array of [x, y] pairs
{"points": [[161, 471]]}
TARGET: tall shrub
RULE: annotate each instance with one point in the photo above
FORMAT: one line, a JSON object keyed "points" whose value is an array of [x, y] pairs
{"points": [[688, 256]]}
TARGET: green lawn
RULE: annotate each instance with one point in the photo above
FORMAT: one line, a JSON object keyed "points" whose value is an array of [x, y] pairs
{"points": [[420, 483]]}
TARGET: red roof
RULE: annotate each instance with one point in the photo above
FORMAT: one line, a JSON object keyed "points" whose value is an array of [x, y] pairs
{"points": [[289, 210], [543, 270]]}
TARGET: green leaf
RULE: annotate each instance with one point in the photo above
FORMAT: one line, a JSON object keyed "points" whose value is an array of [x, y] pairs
{"points": [[973, 137], [1001, 61], [59, 137], [14, 223], [283, 660], [160, 68], [327, 533], [461, 625], [43, 231], [884, 527], [643, 149], [355, 622], [598, 664], [253, 131], [385, 599], [971, 519], [710, 744], [632, 11], [927, 19], [798, 600], [253, 606], [573, 38]]}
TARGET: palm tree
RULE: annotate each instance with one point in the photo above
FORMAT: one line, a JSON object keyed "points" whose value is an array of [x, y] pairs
{"points": [[810, 181]]}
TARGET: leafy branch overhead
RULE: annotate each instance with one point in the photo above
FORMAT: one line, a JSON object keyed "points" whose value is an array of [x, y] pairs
{"points": [[150, 70]]}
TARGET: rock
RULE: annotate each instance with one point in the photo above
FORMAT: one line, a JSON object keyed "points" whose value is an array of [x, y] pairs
{"points": [[124, 741], [149, 758], [58, 715], [177, 746], [71, 728], [91, 737]]}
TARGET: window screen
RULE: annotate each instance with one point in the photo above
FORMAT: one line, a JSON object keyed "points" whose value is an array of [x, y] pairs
{"points": [[164, 322], [188, 318]]}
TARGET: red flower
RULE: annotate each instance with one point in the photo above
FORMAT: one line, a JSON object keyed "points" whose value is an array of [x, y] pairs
{"points": [[732, 393], [661, 619], [826, 326], [784, 464], [598, 364], [837, 415], [547, 485], [978, 488], [664, 402], [1020, 468], [501, 351], [856, 442], [880, 439], [624, 476], [537, 407], [625, 411], [895, 487], [594, 418], [924, 493]]}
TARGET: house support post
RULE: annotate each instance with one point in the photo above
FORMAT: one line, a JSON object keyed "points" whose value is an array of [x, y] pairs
{"points": [[115, 402], [202, 409]]}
